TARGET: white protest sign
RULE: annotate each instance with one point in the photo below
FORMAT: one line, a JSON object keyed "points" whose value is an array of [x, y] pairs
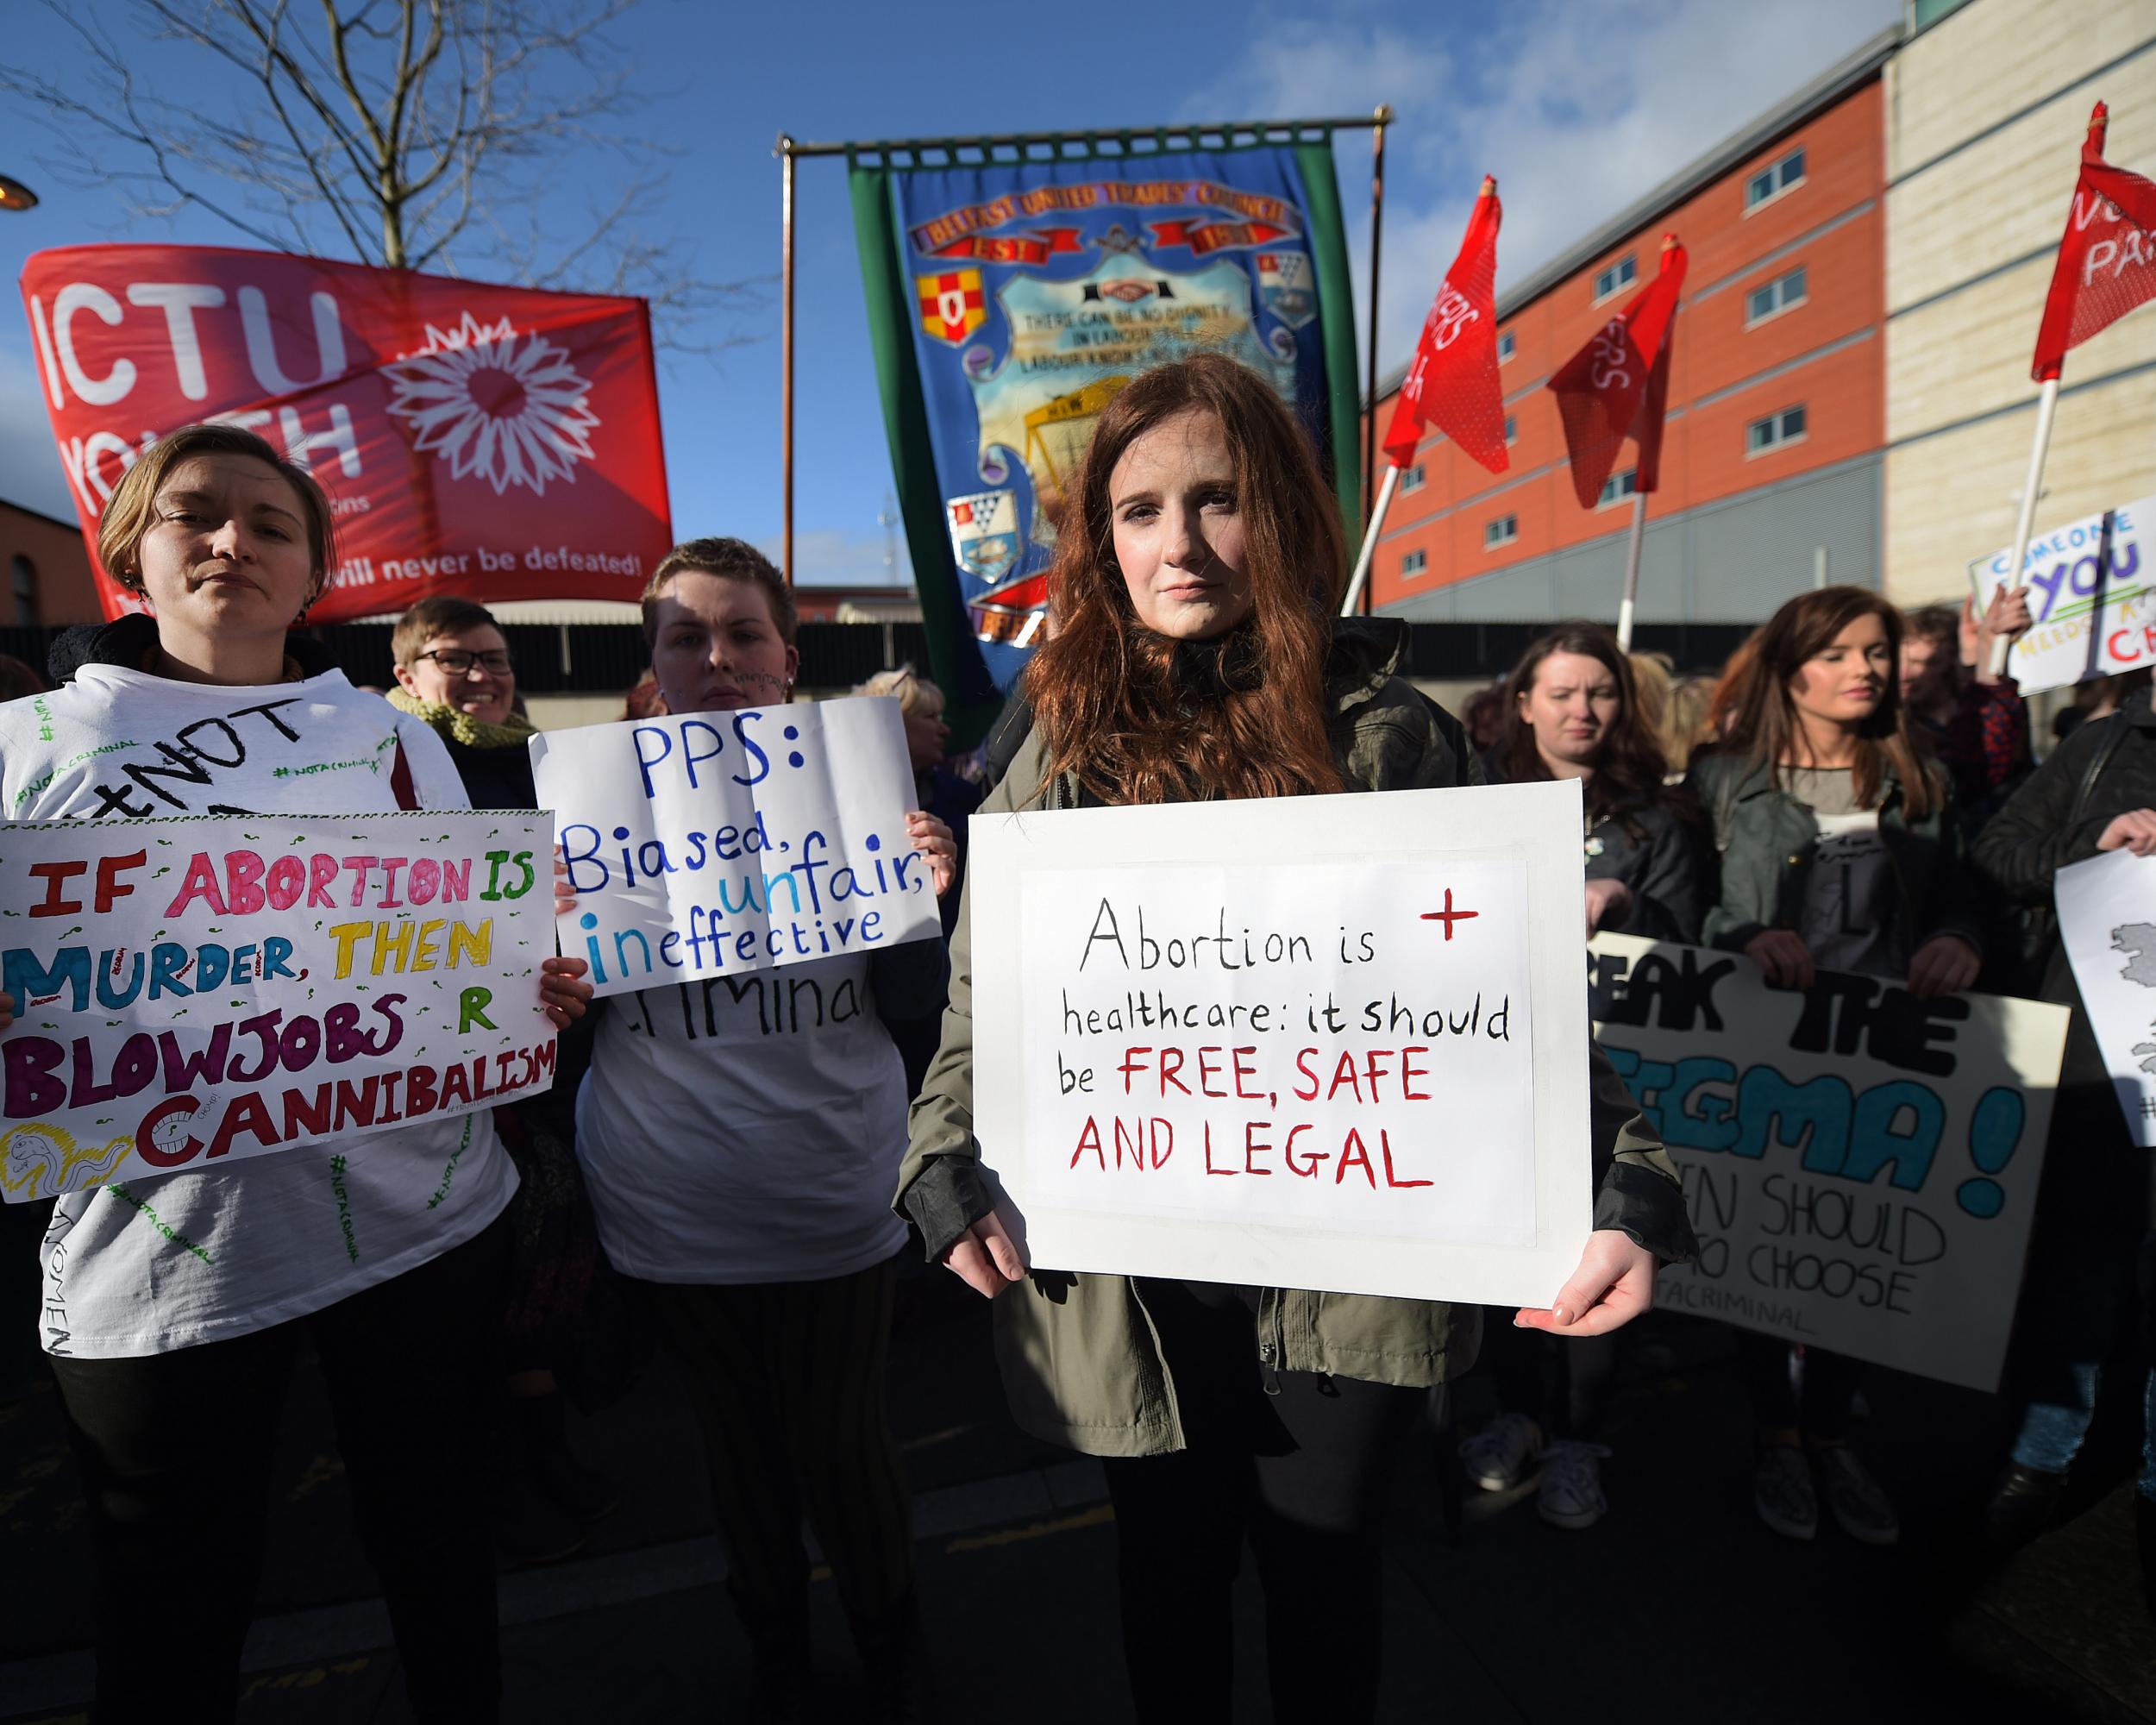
{"points": [[1860, 1165], [2107, 916], [208, 988], [1335, 1042], [2092, 607], [724, 842]]}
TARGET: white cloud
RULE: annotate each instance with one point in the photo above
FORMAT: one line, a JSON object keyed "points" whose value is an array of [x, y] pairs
{"points": [[1578, 110]]}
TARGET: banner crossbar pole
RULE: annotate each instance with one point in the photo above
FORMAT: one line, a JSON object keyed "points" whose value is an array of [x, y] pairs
{"points": [[1258, 129]]}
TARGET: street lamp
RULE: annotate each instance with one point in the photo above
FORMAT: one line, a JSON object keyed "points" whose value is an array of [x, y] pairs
{"points": [[14, 195]]}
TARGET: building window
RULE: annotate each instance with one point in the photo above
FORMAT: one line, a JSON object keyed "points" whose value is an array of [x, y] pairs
{"points": [[1506, 346], [1775, 430], [1775, 296], [1412, 478], [1617, 277], [1414, 562], [23, 573], [1512, 427], [1776, 178], [1501, 532], [1617, 487]]}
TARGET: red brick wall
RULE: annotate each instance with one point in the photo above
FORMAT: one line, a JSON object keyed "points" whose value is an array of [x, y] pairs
{"points": [[66, 592], [1704, 447]]}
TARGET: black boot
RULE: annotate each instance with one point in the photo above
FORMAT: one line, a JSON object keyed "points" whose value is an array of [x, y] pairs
{"points": [[2023, 1506], [541, 1435], [779, 1640], [894, 1661]]}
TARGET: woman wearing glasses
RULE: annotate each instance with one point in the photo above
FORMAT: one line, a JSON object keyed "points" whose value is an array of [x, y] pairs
{"points": [[453, 672]]}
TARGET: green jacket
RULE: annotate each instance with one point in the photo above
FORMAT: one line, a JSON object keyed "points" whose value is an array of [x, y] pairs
{"points": [[1768, 840], [1080, 1359]]}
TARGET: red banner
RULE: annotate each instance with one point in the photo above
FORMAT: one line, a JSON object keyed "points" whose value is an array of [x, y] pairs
{"points": [[1453, 384], [1615, 386], [2106, 260], [493, 443]]}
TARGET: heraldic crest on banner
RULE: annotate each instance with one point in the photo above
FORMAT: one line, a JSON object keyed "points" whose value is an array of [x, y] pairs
{"points": [[1041, 289]]}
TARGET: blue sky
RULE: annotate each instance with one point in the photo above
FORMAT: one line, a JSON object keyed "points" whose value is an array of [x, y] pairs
{"points": [[1577, 108]]}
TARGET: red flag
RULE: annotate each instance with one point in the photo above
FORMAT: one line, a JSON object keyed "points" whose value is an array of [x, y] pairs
{"points": [[1453, 384], [1616, 385], [493, 443], [2107, 261]]}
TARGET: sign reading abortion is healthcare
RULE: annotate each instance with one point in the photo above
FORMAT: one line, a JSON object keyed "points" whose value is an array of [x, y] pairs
{"points": [[717, 843], [192, 992]]}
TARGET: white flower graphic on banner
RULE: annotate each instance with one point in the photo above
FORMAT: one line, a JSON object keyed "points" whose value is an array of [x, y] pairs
{"points": [[508, 408]]}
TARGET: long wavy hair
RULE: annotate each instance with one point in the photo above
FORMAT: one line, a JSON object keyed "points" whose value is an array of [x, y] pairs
{"points": [[1628, 775], [1764, 723], [1106, 700]]}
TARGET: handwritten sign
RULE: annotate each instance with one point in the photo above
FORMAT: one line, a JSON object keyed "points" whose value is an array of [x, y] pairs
{"points": [[2107, 915], [1860, 1164], [2092, 605], [725, 842], [192, 992], [1335, 1042]]}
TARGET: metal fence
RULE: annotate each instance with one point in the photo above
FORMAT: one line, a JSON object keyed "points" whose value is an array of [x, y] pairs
{"points": [[608, 658]]}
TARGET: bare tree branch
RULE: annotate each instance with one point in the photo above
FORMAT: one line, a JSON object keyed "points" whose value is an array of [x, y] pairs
{"points": [[388, 131]]}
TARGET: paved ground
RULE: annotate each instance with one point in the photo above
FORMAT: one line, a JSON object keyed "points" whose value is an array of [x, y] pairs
{"points": [[1678, 1607]]}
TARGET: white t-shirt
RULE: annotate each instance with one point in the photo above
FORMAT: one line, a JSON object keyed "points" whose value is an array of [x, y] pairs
{"points": [[746, 1128], [151, 1263]]}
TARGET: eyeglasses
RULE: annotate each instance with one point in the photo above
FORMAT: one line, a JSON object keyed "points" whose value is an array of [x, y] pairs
{"points": [[458, 662]]}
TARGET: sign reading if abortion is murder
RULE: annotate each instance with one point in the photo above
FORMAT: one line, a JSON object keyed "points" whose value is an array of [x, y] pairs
{"points": [[718, 844], [1860, 1165], [1334, 1043], [188, 992]]}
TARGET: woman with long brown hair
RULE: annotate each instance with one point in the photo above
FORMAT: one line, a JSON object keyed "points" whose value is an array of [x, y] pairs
{"points": [[1197, 575], [1573, 710], [1840, 851]]}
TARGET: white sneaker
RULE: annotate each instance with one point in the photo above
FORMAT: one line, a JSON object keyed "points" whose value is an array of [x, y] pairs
{"points": [[1498, 1456], [1783, 1493], [1571, 1495], [1860, 1504]]}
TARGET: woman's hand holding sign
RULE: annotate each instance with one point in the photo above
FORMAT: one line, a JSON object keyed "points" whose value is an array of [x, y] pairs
{"points": [[934, 840], [1614, 1284], [986, 1259], [562, 990]]}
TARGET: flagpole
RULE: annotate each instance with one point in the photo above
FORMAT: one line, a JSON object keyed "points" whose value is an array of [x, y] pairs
{"points": [[1370, 541], [1629, 602], [2040, 445], [785, 358]]}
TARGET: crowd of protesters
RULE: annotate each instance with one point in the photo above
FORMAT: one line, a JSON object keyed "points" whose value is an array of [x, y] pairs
{"points": [[1855, 791]]}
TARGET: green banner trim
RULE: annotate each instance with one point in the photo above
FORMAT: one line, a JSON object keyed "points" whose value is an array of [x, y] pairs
{"points": [[971, 700], [1336, 319]]}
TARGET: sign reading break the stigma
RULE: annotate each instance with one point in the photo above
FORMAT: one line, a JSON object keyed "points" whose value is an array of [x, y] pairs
{"points": [[190, 992], [2107, 915], [2091, 601], [1335, 1042], [1860, 1165], [718, 844]]}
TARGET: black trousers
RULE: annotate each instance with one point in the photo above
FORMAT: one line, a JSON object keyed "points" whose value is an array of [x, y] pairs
{"points": [[787, 1382], [1298, 1467], [174, 1451], [1831, 1381]]}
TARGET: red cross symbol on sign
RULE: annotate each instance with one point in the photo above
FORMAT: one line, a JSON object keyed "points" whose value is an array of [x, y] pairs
{"points": [[1448, 916]]}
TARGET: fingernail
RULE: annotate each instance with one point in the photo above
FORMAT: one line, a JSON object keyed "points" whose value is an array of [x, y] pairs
{"points": [[1560, 1314]]}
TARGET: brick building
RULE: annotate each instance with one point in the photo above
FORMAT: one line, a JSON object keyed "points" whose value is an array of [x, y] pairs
{"points": [[1772, 452], [47, 570]]}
